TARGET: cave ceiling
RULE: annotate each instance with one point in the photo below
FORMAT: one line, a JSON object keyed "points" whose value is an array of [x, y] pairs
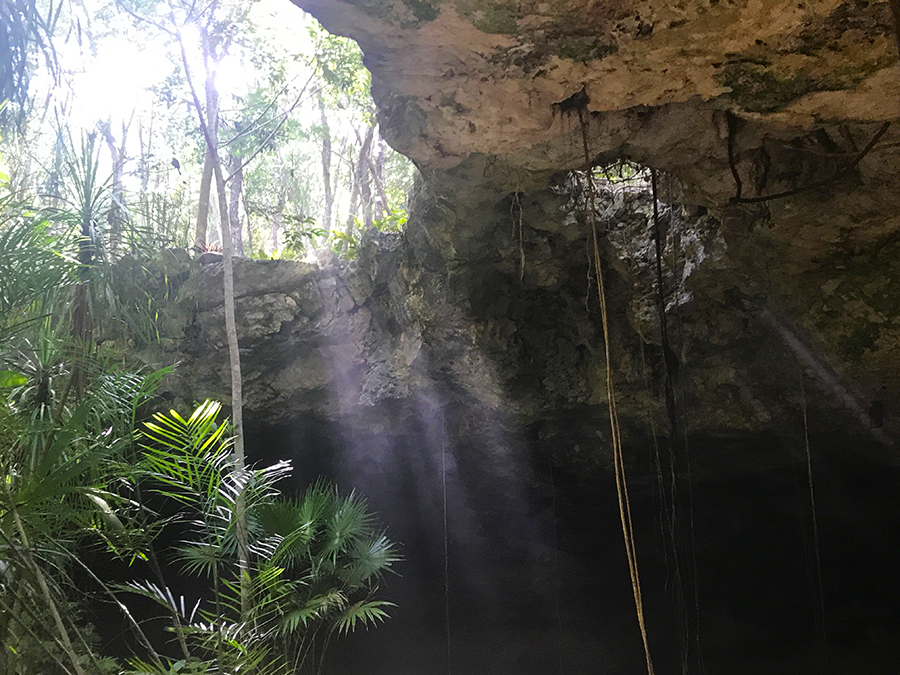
{"points": [[457, 78]]}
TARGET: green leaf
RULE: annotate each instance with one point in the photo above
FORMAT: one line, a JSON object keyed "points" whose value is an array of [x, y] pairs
{"points": [[10, 378], [366, 613]]}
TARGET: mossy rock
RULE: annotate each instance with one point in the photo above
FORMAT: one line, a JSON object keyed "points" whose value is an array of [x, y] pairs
{"points": [[758, 88], [583, 48], [860, 341], [500, 19], [423, 10]]}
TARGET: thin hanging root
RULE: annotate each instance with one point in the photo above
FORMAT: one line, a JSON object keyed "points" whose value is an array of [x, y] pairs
{"points": [[619, 463], [446, 535], [815, 522], [618, 460], [516, 206]]}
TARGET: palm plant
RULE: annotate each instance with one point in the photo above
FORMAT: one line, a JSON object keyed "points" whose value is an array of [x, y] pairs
{"points": [[315, 561], [55, 489], [35, 264], [61, 454]]}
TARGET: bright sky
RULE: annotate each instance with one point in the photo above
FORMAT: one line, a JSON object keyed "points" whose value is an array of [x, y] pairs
{"points": [[114, 81]]}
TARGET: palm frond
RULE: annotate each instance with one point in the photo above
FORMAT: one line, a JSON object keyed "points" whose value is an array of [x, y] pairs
{"points": [[201, 558], [349, 521], [190, 456], [163, 596], [33, 264], [365, 613], [314, 608], [370, 559]]}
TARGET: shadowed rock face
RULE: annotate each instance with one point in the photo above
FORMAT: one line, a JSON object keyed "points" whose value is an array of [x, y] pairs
{"points": [[468, 352]]}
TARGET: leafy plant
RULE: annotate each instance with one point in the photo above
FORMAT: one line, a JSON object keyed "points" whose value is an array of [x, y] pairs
{"points": [[394, 221], [302, 232], [343, 243], [35, 264], [56, 479], [313, 571]]}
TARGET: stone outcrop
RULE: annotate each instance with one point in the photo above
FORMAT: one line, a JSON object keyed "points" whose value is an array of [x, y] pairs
{"points": [[735, 102], [769, 126]]}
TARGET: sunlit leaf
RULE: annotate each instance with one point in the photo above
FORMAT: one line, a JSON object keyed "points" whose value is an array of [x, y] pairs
{"points": [[10, 378]]}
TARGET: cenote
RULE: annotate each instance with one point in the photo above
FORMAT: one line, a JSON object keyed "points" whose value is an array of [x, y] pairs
{"points": [[592, 307]]}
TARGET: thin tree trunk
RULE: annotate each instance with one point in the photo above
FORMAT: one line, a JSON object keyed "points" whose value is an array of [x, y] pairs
{"points": [[82, 320], [116, 216], [234, 213], [377, 171], [201, 237], [237, 413], [64, 640], [237, 397], [144, 167], [277, 221], [363, 177], [351, 215], [326, 168], [359, 189], [203, 202], [249, 226], [10, 585]]}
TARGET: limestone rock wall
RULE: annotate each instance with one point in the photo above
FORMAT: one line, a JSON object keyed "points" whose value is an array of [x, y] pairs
{"points": [[776, 118]]}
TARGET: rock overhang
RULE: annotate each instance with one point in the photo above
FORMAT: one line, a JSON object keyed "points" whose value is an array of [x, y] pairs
{"points": [[460, 77]]}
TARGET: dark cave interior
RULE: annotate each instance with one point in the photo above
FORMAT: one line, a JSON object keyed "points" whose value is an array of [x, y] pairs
{"points": [[537, 578]]}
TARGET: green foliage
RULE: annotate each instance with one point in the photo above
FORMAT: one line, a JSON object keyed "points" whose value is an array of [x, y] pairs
{"points": [[83, 193], [34, 265], [301, 231], [343, 244], [10, 378], [394, 221], [339, 60], [24, 30], [72, 303], [4, 177], [57, 474], [315, 562]]}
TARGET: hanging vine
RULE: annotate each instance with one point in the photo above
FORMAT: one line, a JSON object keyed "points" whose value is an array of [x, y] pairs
{"points": [[579, 104]]}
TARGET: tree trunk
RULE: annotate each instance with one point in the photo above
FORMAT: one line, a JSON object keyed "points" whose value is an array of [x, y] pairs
{"points": [[351, 215], [237, 410], [144, 167], [277, 220], [212, 107], [116, 216], [360, 191], [203, 202], [326, 169], [234, 213], [377, 170], [364, 177], [249, 228], [63, 634]]}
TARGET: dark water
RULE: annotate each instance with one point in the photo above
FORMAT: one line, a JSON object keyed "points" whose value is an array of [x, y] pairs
{"points": [[537, 579]]}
